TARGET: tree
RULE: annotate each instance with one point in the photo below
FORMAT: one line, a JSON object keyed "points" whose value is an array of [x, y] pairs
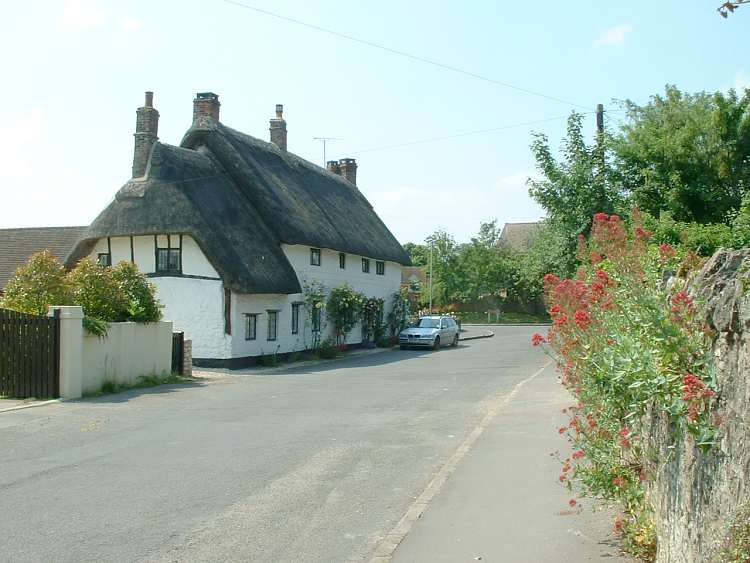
{"points": [[688, 154], [579, 184], [94, 288], [729, 7], [36, 285], [143, 307], [445, 276], [418, 253]]}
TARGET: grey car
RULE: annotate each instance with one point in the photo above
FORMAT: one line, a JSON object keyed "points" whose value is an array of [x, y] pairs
{"points": [[430, 332]]}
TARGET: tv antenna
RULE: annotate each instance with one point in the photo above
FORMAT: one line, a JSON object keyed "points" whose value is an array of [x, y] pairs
{"points": [[324, 140]]}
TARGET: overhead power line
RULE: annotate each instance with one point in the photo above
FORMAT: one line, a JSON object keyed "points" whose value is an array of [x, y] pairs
{"points": [[403, 53], [464, 134]]}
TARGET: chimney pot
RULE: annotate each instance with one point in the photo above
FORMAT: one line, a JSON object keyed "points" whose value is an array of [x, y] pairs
{"points": [[206, 104], [333, 166], [278, 128], [349, 169], [146, 135]]}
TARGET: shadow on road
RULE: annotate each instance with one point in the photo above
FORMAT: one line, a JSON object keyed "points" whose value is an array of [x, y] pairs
{"points": [[128, 394]]}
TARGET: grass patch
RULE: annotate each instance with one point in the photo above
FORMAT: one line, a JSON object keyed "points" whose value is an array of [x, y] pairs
{"points": [[268, 360], [505, 318], [109, 387]]}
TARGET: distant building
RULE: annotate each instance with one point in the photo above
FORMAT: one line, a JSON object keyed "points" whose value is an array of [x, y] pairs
{"points": [[519, 236], [414, 280], [17, 245]]}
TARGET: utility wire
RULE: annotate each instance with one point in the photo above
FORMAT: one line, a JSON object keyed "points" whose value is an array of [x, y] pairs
{"points": [[465, 134], [402, 53]]}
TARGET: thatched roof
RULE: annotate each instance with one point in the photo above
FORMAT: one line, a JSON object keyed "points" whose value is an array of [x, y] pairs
{"points": [[240, 198], [518, 236], [17, 245]]}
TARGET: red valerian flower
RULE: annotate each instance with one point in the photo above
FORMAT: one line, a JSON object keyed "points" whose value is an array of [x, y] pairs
{"points": [[596, 258], [601, 217], [561, 320], [555, 310], [642, 234], [625, 437], [572, 502], [667, 251], [578, 455], [618, 481], [582, 318], [562, 430], [537, 339], [562, 478], [551, 279], [614, 218], [618, 525]]}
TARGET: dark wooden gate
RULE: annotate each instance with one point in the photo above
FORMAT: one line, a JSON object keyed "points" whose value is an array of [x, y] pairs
{"points": [[178, 352], [29, 355]]}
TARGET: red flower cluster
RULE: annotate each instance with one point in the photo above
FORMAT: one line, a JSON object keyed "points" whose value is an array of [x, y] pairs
{"points": [[695, 392], [625, 437], [618, 481], [667, 251], [537, 339], [582, 319], [642, 234], [578, 454]]}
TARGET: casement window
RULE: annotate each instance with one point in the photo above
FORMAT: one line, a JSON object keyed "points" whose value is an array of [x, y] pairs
{"points": [[251, 326], [380, 268], [273, 325], [104, 259], [295, 317], [342, 260], [366, 265], [316, 318], [168, 260], [315, 257]]}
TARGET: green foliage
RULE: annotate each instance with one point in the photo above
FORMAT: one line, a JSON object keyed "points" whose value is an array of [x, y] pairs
{"points": [[36, 285], [329, 350], [343, 308], [268, 360], [94, 288], [686, 154], [315, 295], [143, 307], [577, 185], [95, 326], [419, 253], [372, 318], [400, 313]]}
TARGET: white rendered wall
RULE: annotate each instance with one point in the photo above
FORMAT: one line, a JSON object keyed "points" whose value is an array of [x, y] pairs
{"points": [[195, 306], [128, 352], [330, 275]]}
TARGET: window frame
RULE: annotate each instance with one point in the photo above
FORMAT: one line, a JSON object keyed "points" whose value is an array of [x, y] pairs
{"points": [[295, 317], [272, 314], [366, 265], [380, 267], [315, 252], [342, 260], [108, 260], [251, 318]]}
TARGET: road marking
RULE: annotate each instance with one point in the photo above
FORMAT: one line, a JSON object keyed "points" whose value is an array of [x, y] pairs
{"points": [[385, 547]]}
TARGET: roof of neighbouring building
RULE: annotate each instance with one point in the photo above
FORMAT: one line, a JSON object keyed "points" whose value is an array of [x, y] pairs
{"points": [[412, 273], [240, 198], [518, 236], [17, 245]]}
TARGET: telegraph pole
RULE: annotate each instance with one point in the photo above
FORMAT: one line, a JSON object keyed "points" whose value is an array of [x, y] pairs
{"points": [[600, 118], [431, 244], [324, 140]]}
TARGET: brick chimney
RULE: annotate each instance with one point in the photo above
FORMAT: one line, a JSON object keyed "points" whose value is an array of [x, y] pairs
{"points": [[146, 131], [206, 104], [278, 128], [333, 166], [349, 169]]}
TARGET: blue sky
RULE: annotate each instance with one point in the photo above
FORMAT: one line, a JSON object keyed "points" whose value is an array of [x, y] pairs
{"points": [[79, 68]]}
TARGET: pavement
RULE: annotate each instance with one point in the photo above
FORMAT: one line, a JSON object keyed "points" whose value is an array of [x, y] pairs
{"points": [[314, 463]]}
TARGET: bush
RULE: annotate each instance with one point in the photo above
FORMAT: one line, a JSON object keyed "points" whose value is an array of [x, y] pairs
{"points": [[627, 345], [328, 350], [36, 285], [343, 309], [94, 288], [143, 307]]}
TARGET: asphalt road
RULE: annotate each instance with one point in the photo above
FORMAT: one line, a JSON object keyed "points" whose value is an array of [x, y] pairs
{"points": [[312, 464]]}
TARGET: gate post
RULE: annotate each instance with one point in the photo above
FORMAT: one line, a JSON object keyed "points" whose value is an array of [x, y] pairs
{"points": [[71, 350]]}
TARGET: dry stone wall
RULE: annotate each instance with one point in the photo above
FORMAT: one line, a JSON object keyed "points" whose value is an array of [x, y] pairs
{"points": [[695, 495]]}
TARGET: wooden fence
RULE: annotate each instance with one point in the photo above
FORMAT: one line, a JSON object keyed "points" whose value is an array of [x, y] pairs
{"points": [[29, 355]]}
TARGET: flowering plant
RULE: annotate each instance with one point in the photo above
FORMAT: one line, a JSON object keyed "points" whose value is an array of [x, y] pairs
{"points": [[344, 307], [626, 344]]}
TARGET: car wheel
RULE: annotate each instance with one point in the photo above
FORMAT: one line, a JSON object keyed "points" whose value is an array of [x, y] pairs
{"points": [[436, 344], [455, 341]]}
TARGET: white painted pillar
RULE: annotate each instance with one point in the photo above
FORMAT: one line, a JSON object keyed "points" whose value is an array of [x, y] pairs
{"points": [[71, 350]]}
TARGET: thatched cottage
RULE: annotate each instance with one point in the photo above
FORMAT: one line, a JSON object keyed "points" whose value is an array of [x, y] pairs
{"points": [[230, 228]]}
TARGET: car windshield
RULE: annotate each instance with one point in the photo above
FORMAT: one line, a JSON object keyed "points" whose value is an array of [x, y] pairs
{"points": [[429, 323]]}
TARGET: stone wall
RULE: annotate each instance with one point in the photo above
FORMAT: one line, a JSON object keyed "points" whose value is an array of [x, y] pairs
{"points": [[695, 495]]}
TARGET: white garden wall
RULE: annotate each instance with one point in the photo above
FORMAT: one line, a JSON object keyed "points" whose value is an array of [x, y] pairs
{"points": [[128, 352]]}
